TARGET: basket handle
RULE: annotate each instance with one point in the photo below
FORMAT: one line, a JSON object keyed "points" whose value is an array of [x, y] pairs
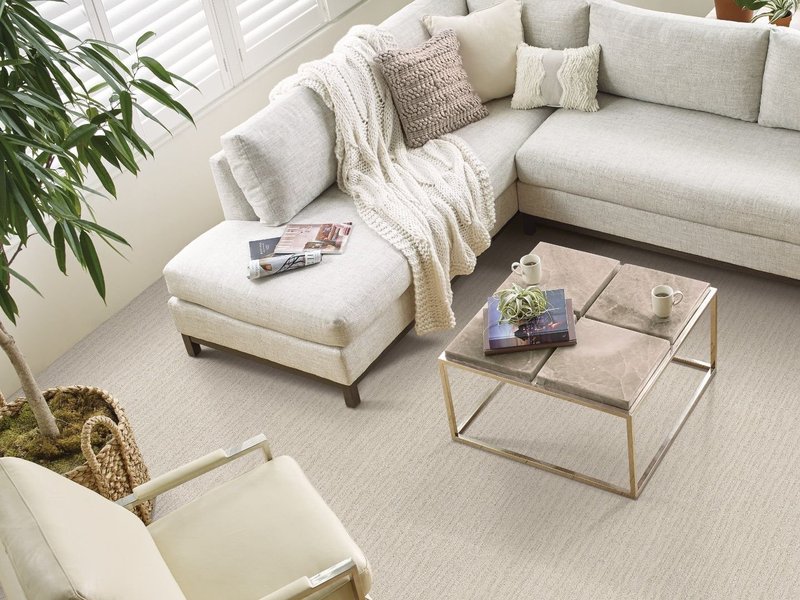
{"points": [[91, 458]]}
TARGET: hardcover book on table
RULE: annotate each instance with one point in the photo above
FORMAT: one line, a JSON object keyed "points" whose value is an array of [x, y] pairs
{"points": [[328, 238], [554, 328]]}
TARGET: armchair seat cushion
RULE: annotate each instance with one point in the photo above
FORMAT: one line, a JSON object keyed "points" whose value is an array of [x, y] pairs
{"points": [[675, 162], [253, 535], [329, 303]]}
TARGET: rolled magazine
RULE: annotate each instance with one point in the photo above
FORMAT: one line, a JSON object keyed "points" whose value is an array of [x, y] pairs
{"points": [[272, 265]]}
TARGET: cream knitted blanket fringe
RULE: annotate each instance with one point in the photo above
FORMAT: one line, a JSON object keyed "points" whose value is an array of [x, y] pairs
{"points": [[434, 204]]}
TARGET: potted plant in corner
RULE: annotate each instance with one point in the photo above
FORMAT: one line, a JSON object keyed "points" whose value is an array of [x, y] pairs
{"points": [[56, 135], [779, 12], [729, 10]]}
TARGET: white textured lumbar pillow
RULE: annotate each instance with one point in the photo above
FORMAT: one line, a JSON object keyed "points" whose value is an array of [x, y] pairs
{"points": [[488, 42], [561, 78]]}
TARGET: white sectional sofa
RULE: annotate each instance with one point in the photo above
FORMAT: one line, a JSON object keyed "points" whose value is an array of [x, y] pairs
{"points": [[696, 148]]}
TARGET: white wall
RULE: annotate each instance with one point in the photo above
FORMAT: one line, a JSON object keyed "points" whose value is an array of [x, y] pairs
{"points": [[171, 202], [699, 8]]}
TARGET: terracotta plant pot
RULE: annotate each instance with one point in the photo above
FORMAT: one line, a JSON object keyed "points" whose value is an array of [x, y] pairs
{"points": [[118, 467], [728, 10], [784, 22]]}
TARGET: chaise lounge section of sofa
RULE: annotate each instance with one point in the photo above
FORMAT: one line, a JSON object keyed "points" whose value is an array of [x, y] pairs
{"points": [[682, 154]]}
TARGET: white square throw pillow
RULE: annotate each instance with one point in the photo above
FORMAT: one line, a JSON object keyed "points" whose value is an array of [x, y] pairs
{"points": [[559, 78], [487, 42]]}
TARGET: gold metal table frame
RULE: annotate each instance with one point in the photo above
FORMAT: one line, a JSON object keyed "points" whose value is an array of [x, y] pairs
{"points": [[637, 484]]}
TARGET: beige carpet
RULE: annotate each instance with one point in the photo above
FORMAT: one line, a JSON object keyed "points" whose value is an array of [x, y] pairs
{"points": [[438, 520]]}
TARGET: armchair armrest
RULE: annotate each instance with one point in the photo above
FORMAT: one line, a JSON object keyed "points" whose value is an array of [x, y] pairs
{"points": [[191, 470], [329, 578]]}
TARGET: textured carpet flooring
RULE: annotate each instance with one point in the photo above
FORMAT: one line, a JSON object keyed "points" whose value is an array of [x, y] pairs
{"points": [[439, 520]]}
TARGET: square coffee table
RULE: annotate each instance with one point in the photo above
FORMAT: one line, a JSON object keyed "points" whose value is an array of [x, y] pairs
{"points": [[622, 351]]}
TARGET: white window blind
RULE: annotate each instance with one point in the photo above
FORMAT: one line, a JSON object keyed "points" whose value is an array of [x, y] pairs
{"points": [[215, 44], [266, 28], [71, 15], [183, 44]]}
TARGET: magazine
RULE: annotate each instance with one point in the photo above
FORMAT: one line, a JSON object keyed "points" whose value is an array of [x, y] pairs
{"points": [[328, 238]]}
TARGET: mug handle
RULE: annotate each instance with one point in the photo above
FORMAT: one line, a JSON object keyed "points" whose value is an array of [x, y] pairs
{"points": [[517, 268], [675, 299]]}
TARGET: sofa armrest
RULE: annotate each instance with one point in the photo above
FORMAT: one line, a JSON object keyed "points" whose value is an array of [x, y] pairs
{"points": [[331, 578], [204, 464]]}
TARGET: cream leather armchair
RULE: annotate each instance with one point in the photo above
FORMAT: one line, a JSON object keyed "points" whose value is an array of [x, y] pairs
{"points": [[265, 535]]}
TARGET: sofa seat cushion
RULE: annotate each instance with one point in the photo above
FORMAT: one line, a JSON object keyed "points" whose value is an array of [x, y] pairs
{"points": [[253, 535], [328, 303], [496, 139], [675, 162]]}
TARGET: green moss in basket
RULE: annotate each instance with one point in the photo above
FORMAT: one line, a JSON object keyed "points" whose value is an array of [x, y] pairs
{"points": [[519, 304], [19, 435]]}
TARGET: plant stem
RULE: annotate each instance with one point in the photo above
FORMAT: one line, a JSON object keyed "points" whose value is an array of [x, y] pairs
{"points": [[41, 411]]}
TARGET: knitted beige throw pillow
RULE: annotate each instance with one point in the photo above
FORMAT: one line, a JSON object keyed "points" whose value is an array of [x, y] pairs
{"points": [[430, 89]]}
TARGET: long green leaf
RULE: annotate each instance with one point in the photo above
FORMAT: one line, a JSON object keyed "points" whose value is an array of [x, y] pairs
{"points": [[144, 37], [8, 305], [92, 264], [60, 248], [126, 104], [16, 275], [102, 173]]}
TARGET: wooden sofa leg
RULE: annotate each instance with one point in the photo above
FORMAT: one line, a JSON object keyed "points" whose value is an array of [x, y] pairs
{"points": [[192, 347], [351, 396], [528, 225]]}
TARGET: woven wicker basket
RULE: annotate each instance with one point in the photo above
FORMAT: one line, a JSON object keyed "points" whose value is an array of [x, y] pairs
{"points": [[118, 467]]}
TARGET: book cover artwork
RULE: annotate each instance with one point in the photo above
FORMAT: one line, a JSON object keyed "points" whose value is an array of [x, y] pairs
{"points": [[263, 248], [328, 238], [556, 326]]}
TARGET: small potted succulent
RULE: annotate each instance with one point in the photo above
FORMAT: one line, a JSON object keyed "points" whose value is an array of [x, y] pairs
{"points": [[519, 304], [779, 12]]}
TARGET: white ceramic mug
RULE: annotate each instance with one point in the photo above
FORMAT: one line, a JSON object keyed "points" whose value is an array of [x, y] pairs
{"points": [[529, 268], [664, 298]]}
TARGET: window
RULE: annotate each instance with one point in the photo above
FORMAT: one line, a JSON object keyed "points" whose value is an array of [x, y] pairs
{"points": [[215, 44]]}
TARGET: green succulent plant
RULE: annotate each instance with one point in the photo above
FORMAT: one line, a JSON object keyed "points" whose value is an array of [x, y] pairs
{"points": [[518, 304]]}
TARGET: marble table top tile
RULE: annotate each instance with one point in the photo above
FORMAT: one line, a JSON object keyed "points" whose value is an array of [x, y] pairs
{"points": [[608, 364], [626, 302], [582, 275], [467, 348]]}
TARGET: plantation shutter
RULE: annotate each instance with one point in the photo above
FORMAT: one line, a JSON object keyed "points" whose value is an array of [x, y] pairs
{"points": [[337, 7], [184, 44], [72, 16], [266, 28]]}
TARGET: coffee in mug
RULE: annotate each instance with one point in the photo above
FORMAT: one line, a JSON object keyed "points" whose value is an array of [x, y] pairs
{"points": [[664, 298], [529, 268]]}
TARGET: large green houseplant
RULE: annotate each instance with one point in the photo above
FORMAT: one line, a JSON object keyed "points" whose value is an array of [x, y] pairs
{"points": [[58, 137]]}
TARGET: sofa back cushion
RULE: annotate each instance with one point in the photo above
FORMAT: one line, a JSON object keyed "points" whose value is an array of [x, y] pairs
{"points": [[62, 541], [283, 157], [689, 62], [780, 96], [406, 24], [235, 206], [556, 24]]}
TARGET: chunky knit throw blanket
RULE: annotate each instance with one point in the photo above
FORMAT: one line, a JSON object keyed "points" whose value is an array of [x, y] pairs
{"points": [[434, 204]]}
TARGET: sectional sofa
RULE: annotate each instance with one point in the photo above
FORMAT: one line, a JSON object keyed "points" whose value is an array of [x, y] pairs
{"points": [[696, 148]]}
